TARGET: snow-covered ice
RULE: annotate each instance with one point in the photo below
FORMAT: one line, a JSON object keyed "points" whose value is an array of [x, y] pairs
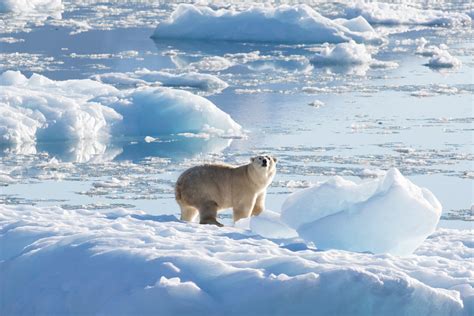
{"points": [[133, 263], [385, 215], [286, 24], [401, 13], [39, 109]]}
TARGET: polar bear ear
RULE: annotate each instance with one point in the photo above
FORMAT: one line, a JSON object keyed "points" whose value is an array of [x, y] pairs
{"points": [[274, 159], [252, 159]]}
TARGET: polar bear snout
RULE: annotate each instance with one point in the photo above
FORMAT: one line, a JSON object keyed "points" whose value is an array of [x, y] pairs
{"points": [[264, 162]]}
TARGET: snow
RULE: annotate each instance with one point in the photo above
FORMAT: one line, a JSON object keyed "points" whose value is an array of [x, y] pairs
{"points": [[205, 82], [384, 215], [400, 13], [39, 109], [29, 5], [128, 262], [290, 24]]}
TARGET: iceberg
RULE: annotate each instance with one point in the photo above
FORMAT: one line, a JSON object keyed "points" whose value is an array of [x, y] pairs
{"points": [[385, 215], [282, 24], [39, 109]]}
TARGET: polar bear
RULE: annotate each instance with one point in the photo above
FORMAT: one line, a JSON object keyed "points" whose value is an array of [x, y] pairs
{"points": [[206, 189]]}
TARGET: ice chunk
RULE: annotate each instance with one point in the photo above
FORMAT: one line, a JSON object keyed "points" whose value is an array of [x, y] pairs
{"points": [[400, 13], [40, 109], [29, 5], [268, 224], [343, 54], [205, 82], [294, 24], [386, 215], [349, 55], [163, 111], [443, 59]]}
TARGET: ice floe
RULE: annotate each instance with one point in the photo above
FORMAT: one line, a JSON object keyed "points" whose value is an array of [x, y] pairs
{"points": [[30, 5], [351, 57], [291, 24], [205, 82], [135, 263], [39, 109], [386, 215], [400, 13]]}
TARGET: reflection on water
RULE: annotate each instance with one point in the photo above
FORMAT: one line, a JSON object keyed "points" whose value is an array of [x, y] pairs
{"points": [[133, 149]]}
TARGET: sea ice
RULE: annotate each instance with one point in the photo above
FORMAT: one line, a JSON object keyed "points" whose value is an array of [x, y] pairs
{"points": [[385, 215], [347, 54], [441, 58], [30, 5], [205, 82], [39, 109], [129, 262], [290, 24], [400, 13]]}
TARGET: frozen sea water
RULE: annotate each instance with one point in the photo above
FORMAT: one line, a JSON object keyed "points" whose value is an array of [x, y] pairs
{"points": [[411, 117], [105, 200]]}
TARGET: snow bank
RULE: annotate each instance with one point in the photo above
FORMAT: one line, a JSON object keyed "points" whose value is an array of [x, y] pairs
{"points": [[39, 109], [29, 5], [394, 14], [123, 262], [205, 82], [386, 215], [294, 24]]}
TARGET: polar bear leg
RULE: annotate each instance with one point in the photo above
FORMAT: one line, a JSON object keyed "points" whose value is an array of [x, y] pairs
{"points": [[243, 209], [259, 204], [208, 213], [188, 213]]}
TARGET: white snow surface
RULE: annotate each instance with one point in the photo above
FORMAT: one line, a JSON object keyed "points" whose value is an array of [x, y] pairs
{"points": [[205, 82], [290, 24], [385, 215], [39, 109], [402, 13], [56, 261], [30, 5]]}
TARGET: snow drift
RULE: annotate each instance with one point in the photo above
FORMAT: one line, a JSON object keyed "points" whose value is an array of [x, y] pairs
{"points": [[30, 5], [290, 24], [128, 262], [39, 109], [386, 215], [394, 14]]}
